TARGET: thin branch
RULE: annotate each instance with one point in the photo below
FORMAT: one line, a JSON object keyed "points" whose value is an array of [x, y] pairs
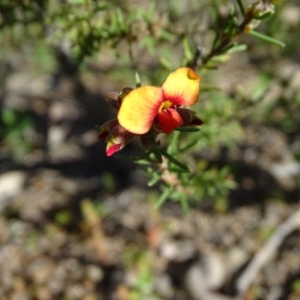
{"points": [[227, 40], [265, 254]]}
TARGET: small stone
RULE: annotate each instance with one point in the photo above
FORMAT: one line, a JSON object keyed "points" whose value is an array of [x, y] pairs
{"points": [[206, 274], [94, 273], [163, 286], [235, 258], [11, 184]]}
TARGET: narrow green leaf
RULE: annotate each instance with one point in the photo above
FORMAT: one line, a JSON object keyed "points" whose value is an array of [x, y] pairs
{"points": [[188, 146], [158, 156], [188, 129], [168, 36], [241, 6], [76, 1], [174, 160], [184, 204], [265, 15], [154, 180], [178, 171], [142, 160], [120, 20], [188, 53], [137, 79], [173, 146], [207, 87], [237, 48], [217, 59], [163, 197], [266, 38], [165, 63], [156, 152]]}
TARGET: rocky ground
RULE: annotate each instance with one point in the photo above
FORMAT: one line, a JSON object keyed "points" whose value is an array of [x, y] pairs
{"points": [[75, 224]]}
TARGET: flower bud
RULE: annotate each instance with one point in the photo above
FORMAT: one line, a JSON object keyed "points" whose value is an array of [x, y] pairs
{"points": [[106, 128], [125, 91], [112, 99], [117, 139], [189, 117], [262, 10]]}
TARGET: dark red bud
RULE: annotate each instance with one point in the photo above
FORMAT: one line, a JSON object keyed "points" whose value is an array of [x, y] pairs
{"points": [[125, 91], [112, 99]]}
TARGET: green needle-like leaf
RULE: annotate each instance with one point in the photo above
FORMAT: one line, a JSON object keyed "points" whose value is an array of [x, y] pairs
{"points": [[156, 152], [163, 197], [174, 160], [137, 79], [173, 146], [237, 48], [266, 38], [184, 204], [241, 7], [154, 180], [188, 129], [188, 146]]}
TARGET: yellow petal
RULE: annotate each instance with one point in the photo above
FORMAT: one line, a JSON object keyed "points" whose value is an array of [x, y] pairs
{"points": [[182, 87], [139, 108]]}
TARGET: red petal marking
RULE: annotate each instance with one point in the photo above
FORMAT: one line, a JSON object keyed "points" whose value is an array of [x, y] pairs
{"points": [[113, 148], [169, 119]]}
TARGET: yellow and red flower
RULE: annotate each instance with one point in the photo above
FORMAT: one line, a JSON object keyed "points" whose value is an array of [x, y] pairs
{"points": [[148, 107], [158, 106]]}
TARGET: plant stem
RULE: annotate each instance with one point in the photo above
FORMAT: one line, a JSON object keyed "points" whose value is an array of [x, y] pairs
{"points": [[227, 40]]}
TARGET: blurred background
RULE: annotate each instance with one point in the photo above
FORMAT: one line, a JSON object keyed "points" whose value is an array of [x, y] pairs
{"points": [[75, 224]]}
